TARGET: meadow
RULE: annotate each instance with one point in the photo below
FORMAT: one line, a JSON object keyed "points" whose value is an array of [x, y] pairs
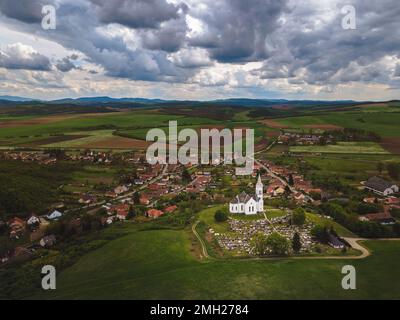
{"points": [[383, 123], [39, 128], [161, 264], [342, 147], [127, 129]]}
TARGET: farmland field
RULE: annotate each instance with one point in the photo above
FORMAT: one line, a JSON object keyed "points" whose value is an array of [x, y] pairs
{"points": [[385, 123], [66, 124], [89, 130], [342, 147], [160, 264]]}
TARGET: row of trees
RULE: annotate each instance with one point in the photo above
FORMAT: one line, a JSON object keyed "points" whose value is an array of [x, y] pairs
{"points": [[30, 187], [351, 222], [393, 169]]}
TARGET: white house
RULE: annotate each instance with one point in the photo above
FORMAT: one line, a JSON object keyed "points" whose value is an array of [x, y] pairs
{"points": [[249, 204], [54, 215], [120, 189], [33, 220]]}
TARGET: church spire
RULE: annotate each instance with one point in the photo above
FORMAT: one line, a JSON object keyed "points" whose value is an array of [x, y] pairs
{"points": [[259, 187]]}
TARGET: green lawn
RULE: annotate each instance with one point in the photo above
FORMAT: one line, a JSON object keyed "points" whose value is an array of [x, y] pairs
{"points": [[207, 216], [158, 264], [274, 213], [342, 147]]}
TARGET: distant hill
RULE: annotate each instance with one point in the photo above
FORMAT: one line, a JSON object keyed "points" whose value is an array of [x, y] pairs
{"points": [[223, 102], [273, 102], [239, 102], [16, 99], [92, 100]]}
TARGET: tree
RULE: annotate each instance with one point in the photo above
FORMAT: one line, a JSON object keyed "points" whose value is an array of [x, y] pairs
{"points": [[101, 212], [186, 177], [136, 198], [220, 216], [296, 243], [380, 167], [393, 170], [320, 233], [140, 210], [299, 217], [131, 213], [6, 247], [259, 243], [366, 208], [333, 232], [3, 227], [287, 190], [277, 243], [291, 180]]}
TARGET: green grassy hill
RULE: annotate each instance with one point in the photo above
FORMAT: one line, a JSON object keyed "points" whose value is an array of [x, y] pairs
{"points": [[160, 264]]}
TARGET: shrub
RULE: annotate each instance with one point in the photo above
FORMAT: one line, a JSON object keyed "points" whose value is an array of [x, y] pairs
{"points": [[299, 217], [277, 243], [220, 216]]}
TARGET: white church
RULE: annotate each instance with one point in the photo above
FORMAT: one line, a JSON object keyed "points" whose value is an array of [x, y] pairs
{"points": [[249, 204]]}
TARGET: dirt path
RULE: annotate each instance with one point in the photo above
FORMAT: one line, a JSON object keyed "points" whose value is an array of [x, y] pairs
{"points": [[203, 245], [353, 242]]}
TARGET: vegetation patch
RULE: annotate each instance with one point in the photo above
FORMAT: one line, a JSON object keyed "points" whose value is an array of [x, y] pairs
{"points": [[342, 147]]}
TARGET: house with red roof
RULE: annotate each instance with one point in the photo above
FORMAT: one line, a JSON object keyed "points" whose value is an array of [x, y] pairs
{"points": [[154, 213], [382, 217], [170, 209], [144, 200], [121, 211]]}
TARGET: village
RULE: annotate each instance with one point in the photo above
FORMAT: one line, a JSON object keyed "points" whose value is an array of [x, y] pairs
{"points": [[153, 191]]}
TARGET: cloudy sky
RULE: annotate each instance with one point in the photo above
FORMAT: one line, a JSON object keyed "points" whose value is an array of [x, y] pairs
{"points": [[201, 49]]}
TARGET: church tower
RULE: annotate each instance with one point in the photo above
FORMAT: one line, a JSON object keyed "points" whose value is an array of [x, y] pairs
{"points": [[260, 195], [259, 188]]}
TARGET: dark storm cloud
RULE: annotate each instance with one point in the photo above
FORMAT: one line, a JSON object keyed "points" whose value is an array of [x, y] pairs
{"points": [[237, 29], [67, 64], [19, 57], [29, 11], [330, 54], [283, 34], [79, 29], [136, 13], [397, 71], [169, 38]]}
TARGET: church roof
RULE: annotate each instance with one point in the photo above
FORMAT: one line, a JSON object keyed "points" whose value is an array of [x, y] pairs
{"points": [[243, 198]]}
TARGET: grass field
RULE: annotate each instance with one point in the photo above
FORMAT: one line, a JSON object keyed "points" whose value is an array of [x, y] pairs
{"points": [[341, 231], [23, 131], [159, 264], [123, 130], [45, 126], [383, 123], [342, 147]]}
